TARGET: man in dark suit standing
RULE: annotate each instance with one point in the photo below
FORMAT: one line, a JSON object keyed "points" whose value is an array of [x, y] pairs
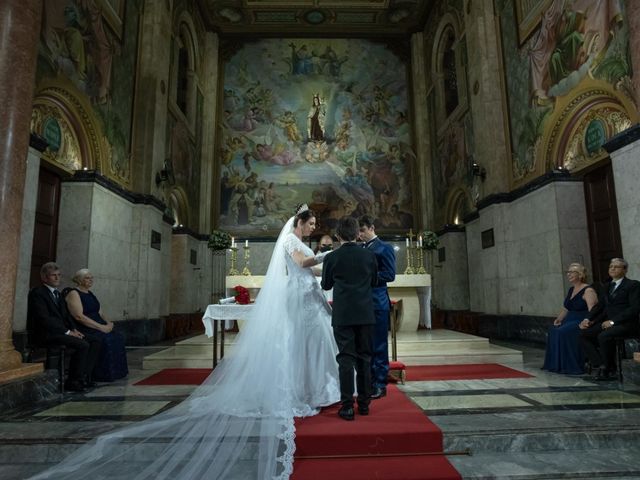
{"points": [[615, 315], [386, 259], [351, 272], [51, 323]]}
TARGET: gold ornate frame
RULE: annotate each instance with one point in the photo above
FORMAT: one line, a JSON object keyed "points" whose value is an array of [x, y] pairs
{"points": [[563, 144]]}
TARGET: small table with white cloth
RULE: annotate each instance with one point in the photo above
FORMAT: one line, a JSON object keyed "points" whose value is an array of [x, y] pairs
{"points": [[219, 313]]}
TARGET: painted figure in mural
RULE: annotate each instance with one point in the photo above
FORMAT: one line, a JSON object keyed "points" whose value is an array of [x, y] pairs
{"points": [[79, 45], [301, 60], [250, 121], [317, 114], [277, 156], [288, 122], [569, 53], [329, 63], [570, 34]]}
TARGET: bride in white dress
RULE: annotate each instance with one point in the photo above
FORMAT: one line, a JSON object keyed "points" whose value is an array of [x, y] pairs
{"points": [[240, 422]]}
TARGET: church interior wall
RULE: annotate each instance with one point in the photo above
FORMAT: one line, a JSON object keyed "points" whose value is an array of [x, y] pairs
{"points": [[450, 276], [112, 237], [626, 174], [535, 237]]}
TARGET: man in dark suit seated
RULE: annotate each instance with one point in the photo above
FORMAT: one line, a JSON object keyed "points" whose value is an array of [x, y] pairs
{"points": [[352, 273], [615, 316], [51, 322]]}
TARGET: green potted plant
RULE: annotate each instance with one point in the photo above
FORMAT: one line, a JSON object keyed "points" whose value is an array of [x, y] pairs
{"points": [[219, 240], [430, 240]]}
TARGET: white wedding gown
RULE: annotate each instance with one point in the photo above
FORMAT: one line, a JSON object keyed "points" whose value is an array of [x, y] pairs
{"points": [[240, 422]]}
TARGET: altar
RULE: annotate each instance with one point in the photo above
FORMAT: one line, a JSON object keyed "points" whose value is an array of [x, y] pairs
{"points": [[413, 290]]}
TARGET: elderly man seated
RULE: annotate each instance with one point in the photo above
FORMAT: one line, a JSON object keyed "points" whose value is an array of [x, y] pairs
{"points": [[51, 321], [615, 316]]}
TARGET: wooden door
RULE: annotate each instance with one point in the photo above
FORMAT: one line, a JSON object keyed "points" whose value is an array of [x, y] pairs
{"points": [[602, 220], [45, 234]]}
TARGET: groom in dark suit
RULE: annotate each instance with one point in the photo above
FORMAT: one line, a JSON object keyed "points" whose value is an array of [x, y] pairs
{"points": [[50, 323], [386, 259], [352, 272], [614, 316]]}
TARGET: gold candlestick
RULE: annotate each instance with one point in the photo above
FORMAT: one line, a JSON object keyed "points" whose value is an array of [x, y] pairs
{"points": [[421, 269], [234, 258], [245, 270], [409, 269]]}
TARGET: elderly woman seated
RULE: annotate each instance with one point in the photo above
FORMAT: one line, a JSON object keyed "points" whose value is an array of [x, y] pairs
{"points": [[85, 309], [564, 353]]}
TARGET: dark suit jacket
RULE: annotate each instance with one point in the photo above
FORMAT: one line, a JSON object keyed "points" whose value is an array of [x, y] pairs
{"points": [[45, 318], [621, 307], [352, 273], [386, 259]]}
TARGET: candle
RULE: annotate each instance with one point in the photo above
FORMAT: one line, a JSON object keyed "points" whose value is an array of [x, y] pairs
{"points": [[420, 241], [246, 244], [233, 242], [407, 240]]}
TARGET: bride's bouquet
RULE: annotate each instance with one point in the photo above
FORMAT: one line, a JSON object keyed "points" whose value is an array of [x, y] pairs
{"points": [[242, 295]]}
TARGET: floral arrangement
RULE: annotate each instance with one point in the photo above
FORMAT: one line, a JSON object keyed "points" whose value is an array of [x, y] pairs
{"points": [[219, 240], [242, 295], [430, 240]]}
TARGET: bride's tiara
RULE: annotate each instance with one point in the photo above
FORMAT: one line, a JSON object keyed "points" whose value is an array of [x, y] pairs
{"points": [[303, 208]]}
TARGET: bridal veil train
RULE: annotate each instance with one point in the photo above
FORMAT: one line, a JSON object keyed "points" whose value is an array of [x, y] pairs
{"points": [[240, 422]]}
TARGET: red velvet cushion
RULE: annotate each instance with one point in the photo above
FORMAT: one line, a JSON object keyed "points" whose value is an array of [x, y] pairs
{"points": [[396, 365]]}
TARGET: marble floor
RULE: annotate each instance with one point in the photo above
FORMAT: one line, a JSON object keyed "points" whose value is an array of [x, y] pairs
{"points": [[547, 426]]}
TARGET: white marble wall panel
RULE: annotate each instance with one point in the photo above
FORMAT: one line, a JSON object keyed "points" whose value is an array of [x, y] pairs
{"points": [[111, 236], [190, 287], [26, 240], [451, 278], [536, 237], [626, 175]]}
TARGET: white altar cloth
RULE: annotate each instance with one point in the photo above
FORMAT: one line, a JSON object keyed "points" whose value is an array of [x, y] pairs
{"points": [[230, 311]]}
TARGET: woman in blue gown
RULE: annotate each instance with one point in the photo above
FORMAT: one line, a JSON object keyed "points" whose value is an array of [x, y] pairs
{"points": [[85, 309], [564, 354]]}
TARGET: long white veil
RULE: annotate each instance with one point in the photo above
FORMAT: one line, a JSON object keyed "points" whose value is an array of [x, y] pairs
{"points": [[238, 424]]}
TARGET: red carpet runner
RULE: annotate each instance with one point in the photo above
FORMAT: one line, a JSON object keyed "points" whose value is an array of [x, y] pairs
{"points": [[390, 443], [470, 371], [195, 376]]}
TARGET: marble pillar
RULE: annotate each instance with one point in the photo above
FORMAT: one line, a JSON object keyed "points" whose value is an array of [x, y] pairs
{"points": [[633, 17], [419, 75], [19, 32]]}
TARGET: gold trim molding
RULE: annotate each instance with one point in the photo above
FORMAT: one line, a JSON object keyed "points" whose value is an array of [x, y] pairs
{"points": [[82, 141], [564, 142]]}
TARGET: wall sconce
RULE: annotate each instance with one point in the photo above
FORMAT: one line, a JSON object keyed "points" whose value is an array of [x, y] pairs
{"points": [[166, 174], [478, 171]]}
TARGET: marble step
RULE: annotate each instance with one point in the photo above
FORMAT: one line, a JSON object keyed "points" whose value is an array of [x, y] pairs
{"points": [[175, 357], [571, 464]]}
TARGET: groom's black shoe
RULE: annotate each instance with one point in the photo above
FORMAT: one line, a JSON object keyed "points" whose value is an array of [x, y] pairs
{"points": [[363, 409], [379, 392], [346, 413]]}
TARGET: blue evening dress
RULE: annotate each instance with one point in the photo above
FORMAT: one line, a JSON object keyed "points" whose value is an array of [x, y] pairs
{"points": [[564, 353], [112, 363]]}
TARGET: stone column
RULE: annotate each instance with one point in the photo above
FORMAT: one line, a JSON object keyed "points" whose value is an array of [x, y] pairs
{"points": [[424, 170], [18, 49], [633, 18]]}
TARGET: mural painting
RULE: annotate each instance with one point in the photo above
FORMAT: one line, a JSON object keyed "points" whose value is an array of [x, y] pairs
{"points": [[316, 121], [576, 41], [79, 45]]}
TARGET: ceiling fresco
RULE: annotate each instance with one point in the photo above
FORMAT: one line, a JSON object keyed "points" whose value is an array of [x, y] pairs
{"points": [[316, 17]]}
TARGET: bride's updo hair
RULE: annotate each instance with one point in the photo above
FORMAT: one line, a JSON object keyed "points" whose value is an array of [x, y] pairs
{"points": [[303, 213]]}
